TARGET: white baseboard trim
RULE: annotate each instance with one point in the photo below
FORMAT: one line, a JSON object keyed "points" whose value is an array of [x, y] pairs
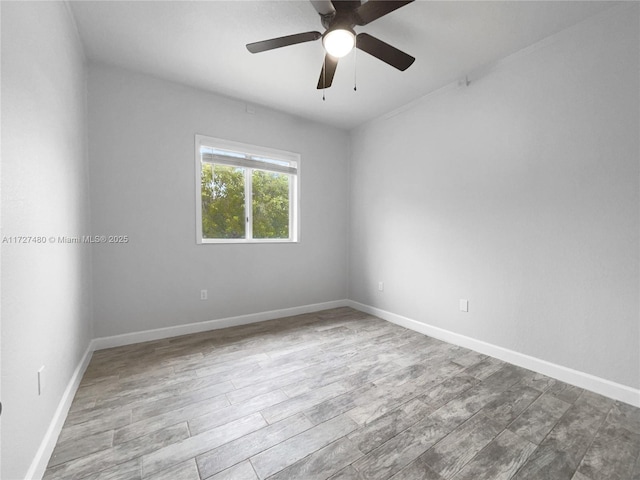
{"points": [[41, 459], [39, 463], [584, 380], [574, 377], [175, 331]]}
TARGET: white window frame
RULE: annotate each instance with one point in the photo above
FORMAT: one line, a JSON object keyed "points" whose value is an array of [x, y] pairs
{"points": [[248, 152]]}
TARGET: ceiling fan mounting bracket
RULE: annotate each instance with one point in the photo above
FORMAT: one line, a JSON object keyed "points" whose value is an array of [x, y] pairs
{"points": [[326, 19], [337, 20]]}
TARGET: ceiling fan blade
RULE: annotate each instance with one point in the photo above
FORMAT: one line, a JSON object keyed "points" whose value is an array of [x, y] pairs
{"points": [[383, 51], [374, 9], [326, 77], [265, 45], [346, 5], [323, 7]]}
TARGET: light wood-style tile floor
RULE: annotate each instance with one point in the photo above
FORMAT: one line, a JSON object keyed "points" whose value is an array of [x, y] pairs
{"points": [[336, 394]]}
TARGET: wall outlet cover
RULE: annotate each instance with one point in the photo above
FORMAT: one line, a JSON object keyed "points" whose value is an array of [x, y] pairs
{"points": [[464, 305], [41, 380]]}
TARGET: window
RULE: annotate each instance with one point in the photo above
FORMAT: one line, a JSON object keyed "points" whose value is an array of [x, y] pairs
{"points": [[245, 193]]}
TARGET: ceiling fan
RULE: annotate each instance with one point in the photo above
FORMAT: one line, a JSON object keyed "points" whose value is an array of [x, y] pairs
{"points": [[339, 17]]}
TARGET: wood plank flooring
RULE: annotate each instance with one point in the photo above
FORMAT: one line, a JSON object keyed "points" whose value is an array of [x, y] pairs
{"points": [[337, 395]]}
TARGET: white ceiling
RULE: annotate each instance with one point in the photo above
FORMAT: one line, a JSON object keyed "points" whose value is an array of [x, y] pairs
{"points": [[202, 44]]}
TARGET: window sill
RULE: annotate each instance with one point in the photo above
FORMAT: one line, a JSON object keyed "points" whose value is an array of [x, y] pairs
{"points": [[244, 241]]}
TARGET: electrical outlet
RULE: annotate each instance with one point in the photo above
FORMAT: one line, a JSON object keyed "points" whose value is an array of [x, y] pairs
{"points": [[464, 305], [41, 380], [381, 286], [204, 294]]}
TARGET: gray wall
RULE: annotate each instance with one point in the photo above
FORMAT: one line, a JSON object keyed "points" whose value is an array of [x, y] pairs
{"points": [[519, 193], [46, 311], [141, 149]]}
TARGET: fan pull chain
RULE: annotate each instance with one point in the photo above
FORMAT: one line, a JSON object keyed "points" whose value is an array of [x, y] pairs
{"points": [[355, 57]]}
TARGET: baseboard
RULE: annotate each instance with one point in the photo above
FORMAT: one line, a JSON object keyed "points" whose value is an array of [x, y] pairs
{"points": [[174, 331], [39, 463], [580, 379]]}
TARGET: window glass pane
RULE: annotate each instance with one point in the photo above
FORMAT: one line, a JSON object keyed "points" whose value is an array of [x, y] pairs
{"points": [[223, 213], [270, 204]]}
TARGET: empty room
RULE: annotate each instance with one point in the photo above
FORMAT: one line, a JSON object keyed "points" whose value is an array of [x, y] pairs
{"points": [[313, 240]]}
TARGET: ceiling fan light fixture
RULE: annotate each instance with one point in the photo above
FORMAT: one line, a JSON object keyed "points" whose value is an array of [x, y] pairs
{"points": [[339, 42]]}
